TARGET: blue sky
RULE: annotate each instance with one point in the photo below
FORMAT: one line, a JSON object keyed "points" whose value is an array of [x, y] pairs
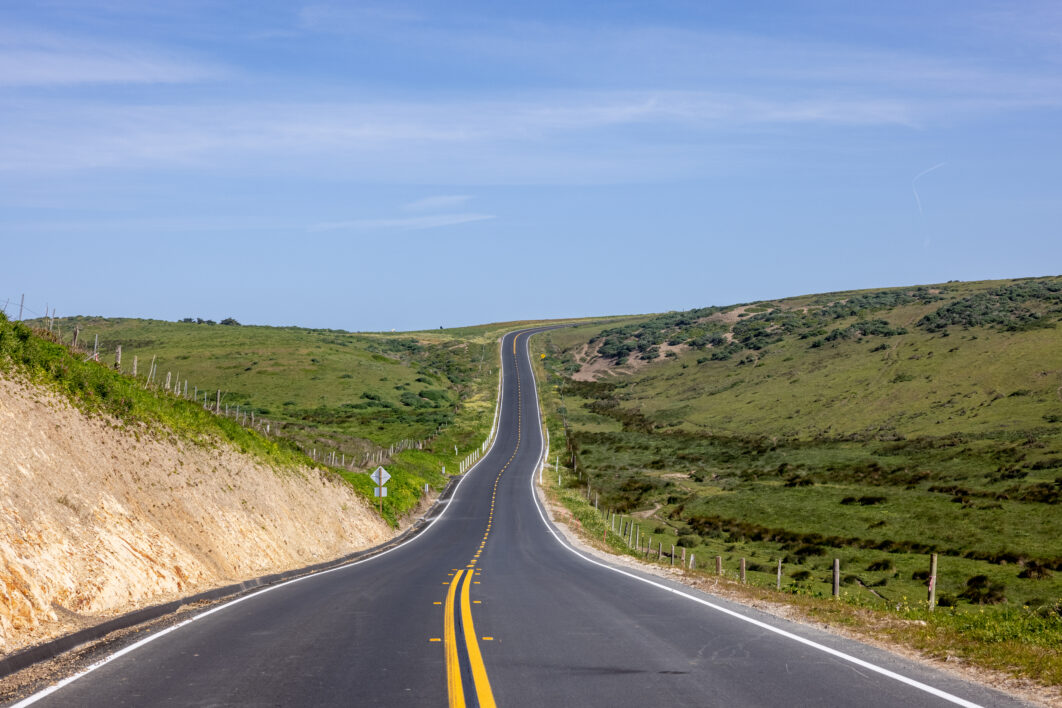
{"points": [[415, 165]]}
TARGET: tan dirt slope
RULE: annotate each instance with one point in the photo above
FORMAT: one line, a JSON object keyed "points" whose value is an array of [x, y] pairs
{"points": [[96, 520]]}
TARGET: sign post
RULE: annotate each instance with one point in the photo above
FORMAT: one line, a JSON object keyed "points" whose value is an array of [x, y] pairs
{"points": [[380, 476]]}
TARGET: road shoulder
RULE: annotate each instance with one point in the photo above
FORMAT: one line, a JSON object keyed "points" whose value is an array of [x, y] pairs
{"points": [[749, 601]]}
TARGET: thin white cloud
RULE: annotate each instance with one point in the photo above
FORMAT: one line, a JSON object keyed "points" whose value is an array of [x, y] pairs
{"points": [[31, 58], [442, 201], [71, 135], [918, 176], [413, 223]]}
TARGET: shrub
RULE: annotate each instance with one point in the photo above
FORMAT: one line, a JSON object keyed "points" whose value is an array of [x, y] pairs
{"points": [[980, 590], [799, 482], [688, 541], [801, 575], [884, 564], [946, 599], [1035, 571]]}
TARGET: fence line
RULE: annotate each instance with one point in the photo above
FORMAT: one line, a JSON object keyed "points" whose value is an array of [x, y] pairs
{"points": [[178, 387]]}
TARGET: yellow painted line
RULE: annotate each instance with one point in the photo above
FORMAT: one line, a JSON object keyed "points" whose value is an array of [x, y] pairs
{"points": [[475, 658], [453, 669], [437, 602], [488, 639], [434, 639], [476, 602]]}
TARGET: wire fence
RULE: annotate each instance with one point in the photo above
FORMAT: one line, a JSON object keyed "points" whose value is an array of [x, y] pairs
{"points": [[352, 454]]}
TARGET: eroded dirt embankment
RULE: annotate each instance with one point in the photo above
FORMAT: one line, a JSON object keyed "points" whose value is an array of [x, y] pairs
{"points": [[96, 519]]}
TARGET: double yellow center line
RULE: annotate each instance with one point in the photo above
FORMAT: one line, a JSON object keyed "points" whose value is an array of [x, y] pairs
{"points": [[454, 684]]}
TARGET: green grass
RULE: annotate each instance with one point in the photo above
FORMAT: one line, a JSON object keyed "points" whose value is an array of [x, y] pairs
{"points": [[321, 390], [97, 389], [879, 599], [860, 426], [369, 386]]}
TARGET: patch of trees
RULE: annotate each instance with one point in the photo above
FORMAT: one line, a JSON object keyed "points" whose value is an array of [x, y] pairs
{"points": [[859, 305], [757, 327], [645, 337], [865, 328], [1021, 306]]}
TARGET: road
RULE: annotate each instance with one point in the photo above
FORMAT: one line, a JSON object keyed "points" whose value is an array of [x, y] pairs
{"points": [[488, 606]]}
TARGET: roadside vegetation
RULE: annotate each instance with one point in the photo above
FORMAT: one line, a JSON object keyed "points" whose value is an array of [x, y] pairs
{"points": [[871, 427], [334, 400]]}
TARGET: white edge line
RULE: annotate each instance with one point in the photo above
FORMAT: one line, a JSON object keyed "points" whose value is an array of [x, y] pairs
{"points": [[30, 700], [789, 635]]}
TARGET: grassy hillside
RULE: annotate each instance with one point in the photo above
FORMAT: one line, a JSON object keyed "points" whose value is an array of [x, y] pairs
{"points": [[380, 388], [873, 426], [970, 358], [326, 393]]}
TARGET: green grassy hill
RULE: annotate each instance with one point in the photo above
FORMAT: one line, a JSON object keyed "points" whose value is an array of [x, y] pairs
{"points": [[415, 402], [874, 426], [380, 388]]}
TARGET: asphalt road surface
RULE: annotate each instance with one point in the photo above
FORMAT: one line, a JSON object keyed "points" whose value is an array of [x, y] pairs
{"points": [[489, 607]]}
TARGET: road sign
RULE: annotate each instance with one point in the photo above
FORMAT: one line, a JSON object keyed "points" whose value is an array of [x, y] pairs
{"points": [[380, 476]]}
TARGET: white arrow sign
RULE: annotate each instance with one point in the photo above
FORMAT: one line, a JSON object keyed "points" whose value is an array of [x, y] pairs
{"points": [[380, 476]]}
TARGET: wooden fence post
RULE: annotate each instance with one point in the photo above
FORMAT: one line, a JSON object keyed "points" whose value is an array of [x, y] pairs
{"points": [[932, 581], [742, 570], [118, 358], [718, 565], [836, 577], [779, 573]]}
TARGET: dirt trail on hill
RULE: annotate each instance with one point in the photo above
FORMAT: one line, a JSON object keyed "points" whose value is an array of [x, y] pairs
{"points": [[97, 520]]}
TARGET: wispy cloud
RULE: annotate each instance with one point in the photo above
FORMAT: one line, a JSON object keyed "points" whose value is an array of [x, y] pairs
{"points": [[413, 223], [33, 58], [442, 201], [77, 135], [918, 176]]}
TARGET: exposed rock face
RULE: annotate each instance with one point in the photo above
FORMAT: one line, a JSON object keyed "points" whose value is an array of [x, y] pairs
{"points": [[97, 519]]}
